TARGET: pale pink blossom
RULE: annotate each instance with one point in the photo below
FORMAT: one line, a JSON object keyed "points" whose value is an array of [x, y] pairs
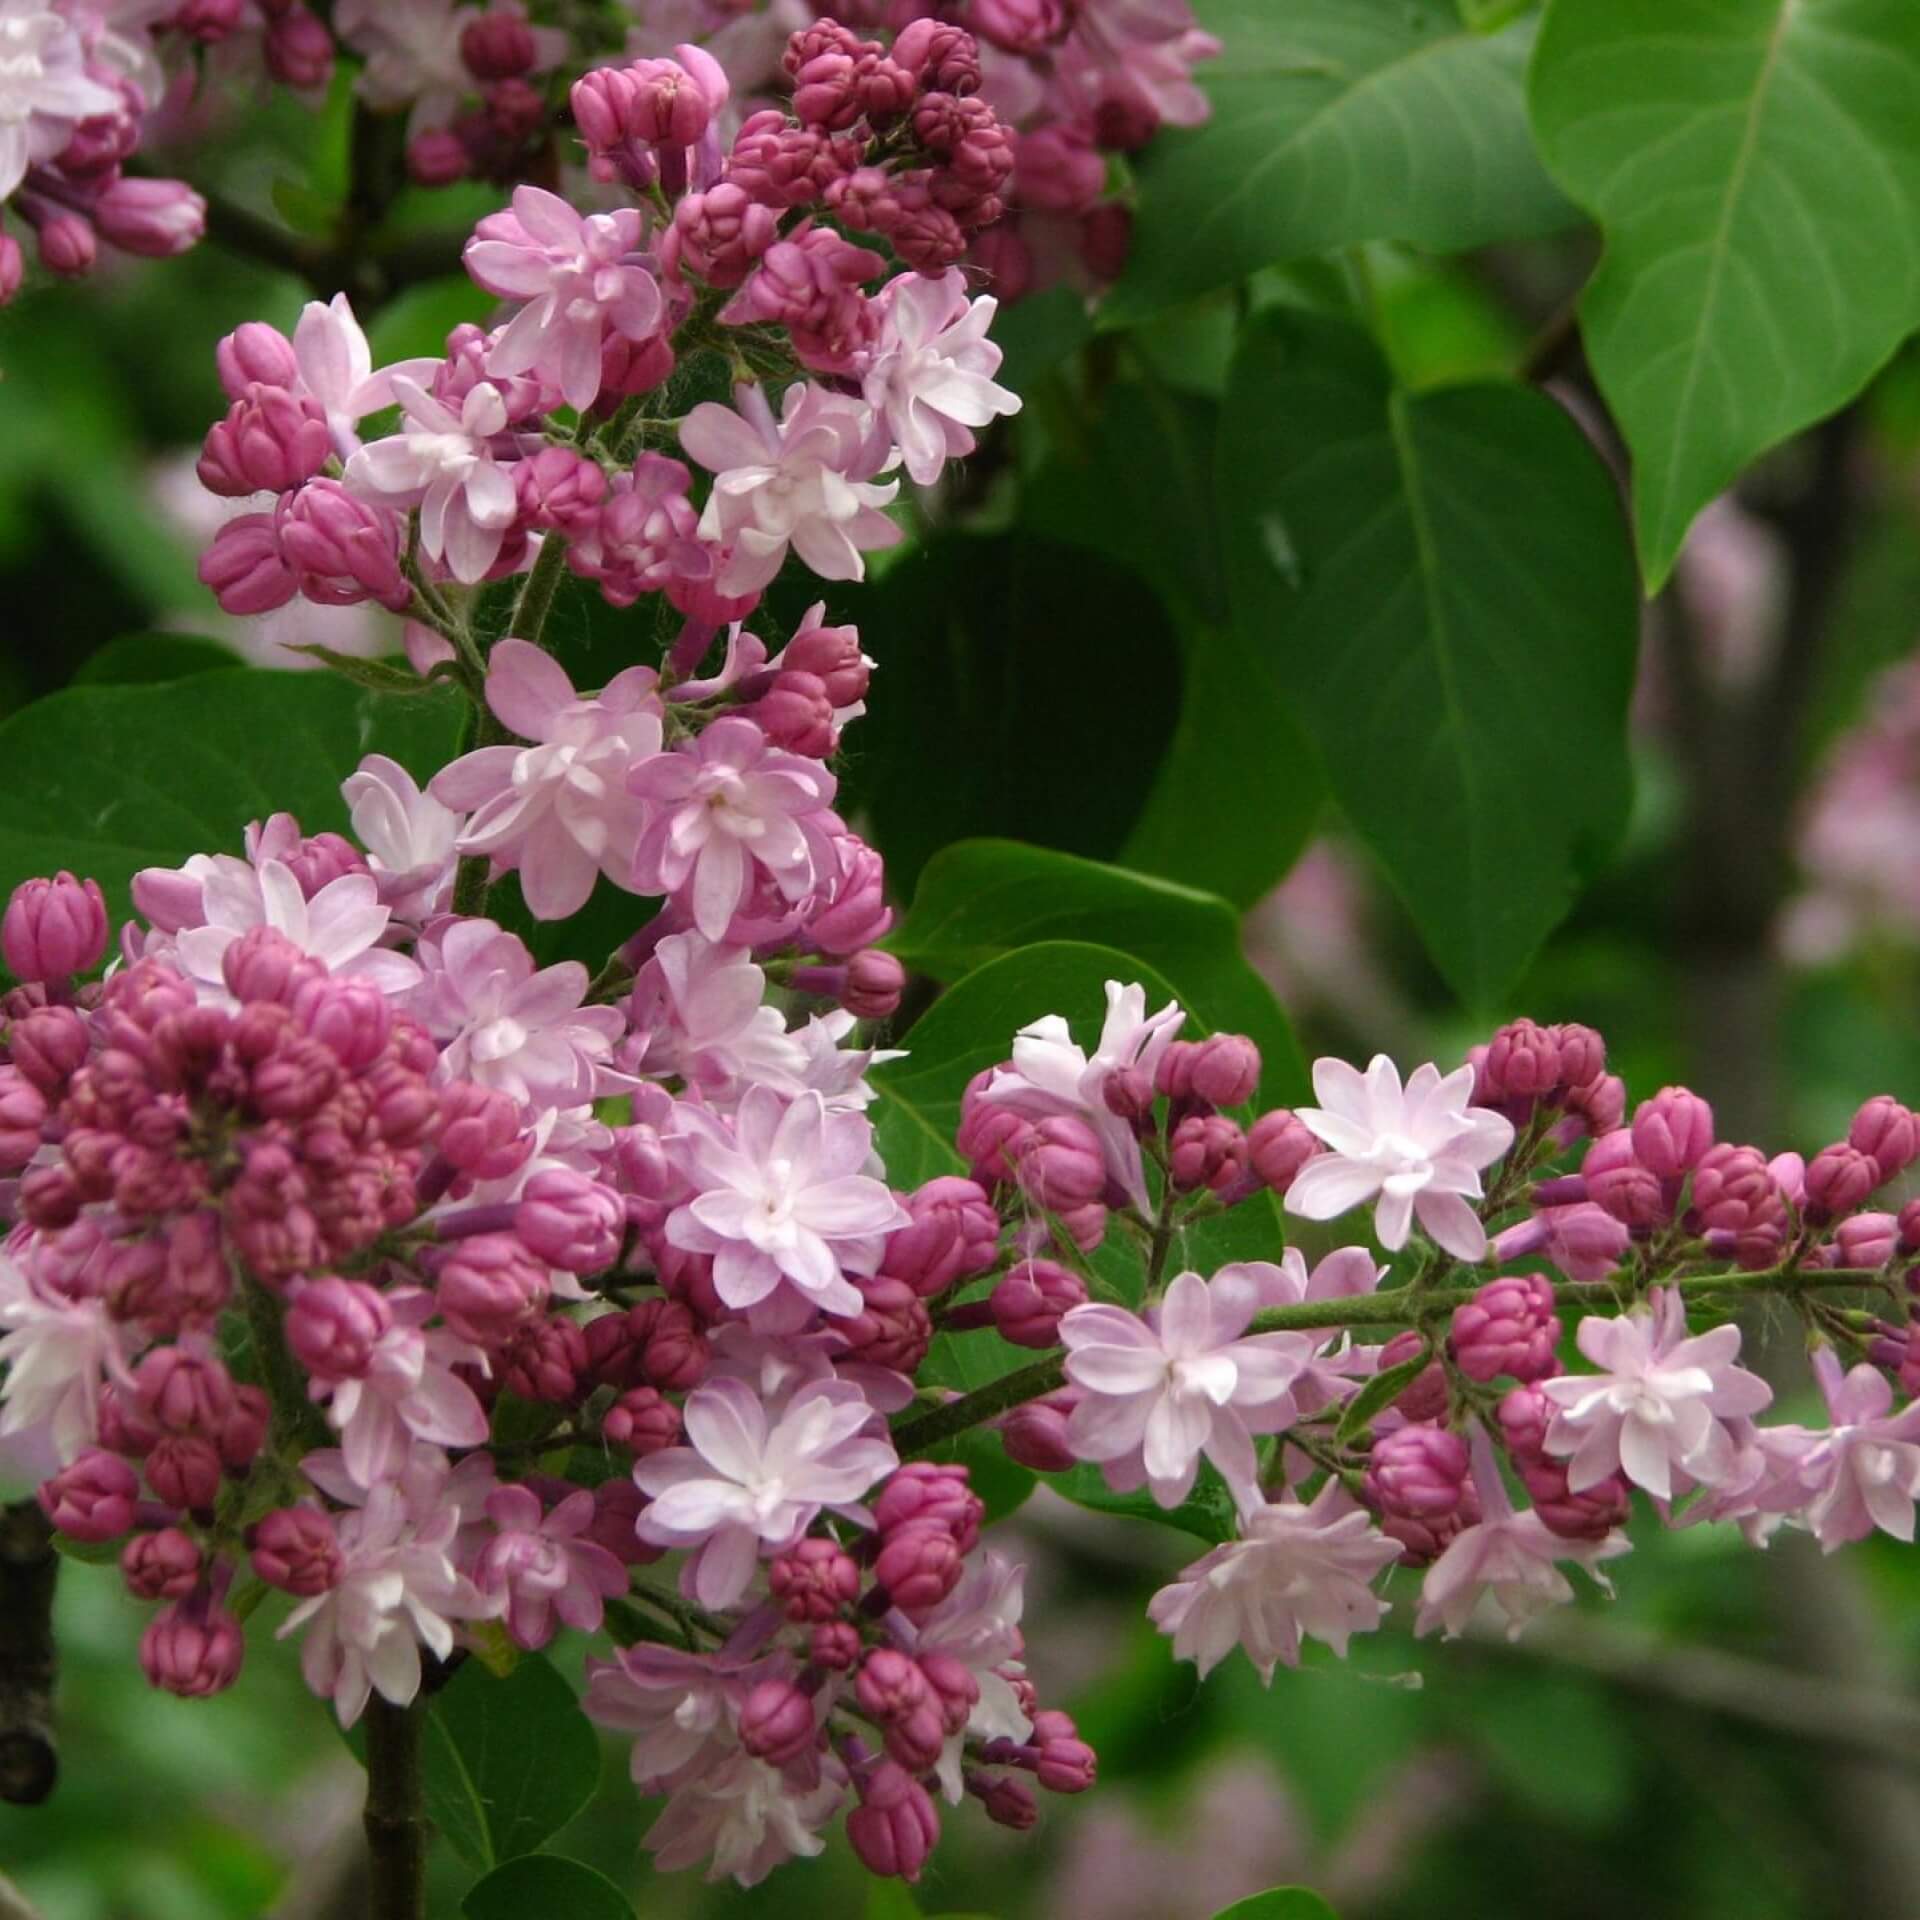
{"points": [[336, 369], [1657, 1405], [1052, 1074], [443, 464], [413, 58], [1295, 1571], [536, 1568], [1330, 1365], [1863, 1472], [58, 1350], [409, 1392], [679, 1706], [728, 815], [783, 1206], [978, 1624], [748, 1817], [1512, 1557], [507, 1026], [805, 481], [1133, 50], [747, 1484], [931, 375], [45, 87], [1158, 1392], [399, 1591], [1416, 1150], [409, 837], [701, 1014]]}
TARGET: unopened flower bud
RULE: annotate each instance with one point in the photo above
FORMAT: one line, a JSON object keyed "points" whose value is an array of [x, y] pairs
{"points": [[184, 1391], [1508, 1327], [894, 1828], [919, 1565], [332, 1325], [490, 1286], [294, 1549], [164, 1565], [570, 1221], [244, 567], [153, 218], [1278, 1146], [299, 49], [1205, 1150], [1060, 1163], [1417, 1472], [1424, 1397], [1839, 1178], [1867, 1240], [1035, 1434], [1007, 1799], [777, 1722], [1617, 1181], [642, 1421], [497, 46], [835, 1646], [1889, 1132], [94, 1498], [53, 929], [928, 1491], [192, 1651], [49, 1045], [814, 1580], [1029, 1300], [437, 157], [955, 1234]]}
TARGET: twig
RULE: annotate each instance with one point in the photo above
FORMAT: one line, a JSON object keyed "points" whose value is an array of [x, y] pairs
{"points": [[396, 1820], [29, 1568]]}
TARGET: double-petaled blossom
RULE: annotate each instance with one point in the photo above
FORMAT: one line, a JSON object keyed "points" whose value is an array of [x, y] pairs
{"points": [[537, 1568], [1863, 1472], [747, 1818], [398, 1591], [59, 1349], [1658, 1404], [557, 811], [730, 818], [1295, 1571], [700, 1012], [1413, 1151], [931, 373], [582, 276], [782, 1205], [409, 837], [680, 1708], [750, 1480], [978, 1624], [443, 463], [1159, 1391], [503, 1024], [45, 87], [1051, 1073], [804, 481], [1511, 1557]]}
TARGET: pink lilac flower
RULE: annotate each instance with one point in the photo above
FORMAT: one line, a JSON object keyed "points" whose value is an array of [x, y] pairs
{"points": [[1160, 1391], [408, 1392], [700, 1012], [1511, 1556], [1658, 1404], [805, 481], [59, 1351], [505, 1025], [747, 1483], [582, 275], [747, 1817], [45, 88], [335, 364], [727, 813], [931, 374], [1327, 1363], [443, 463], [978, 1624], [398, 1591], [409, 837], [1416, 1150], [537, 1567], [1051, 1074], [782, 1205], [1863, 1473], [1295, 1571], [557, 811]]}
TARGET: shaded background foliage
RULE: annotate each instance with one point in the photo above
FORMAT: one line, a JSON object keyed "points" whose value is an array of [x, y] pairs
{"points": [[1307, 584]]}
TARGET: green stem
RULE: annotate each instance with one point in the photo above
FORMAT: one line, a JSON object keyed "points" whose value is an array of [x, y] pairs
{"points": [[529, 619], [295, 1424]]}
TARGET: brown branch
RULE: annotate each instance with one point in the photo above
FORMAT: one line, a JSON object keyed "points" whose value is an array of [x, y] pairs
{"points": [[29, 1568], [396, 1820]]}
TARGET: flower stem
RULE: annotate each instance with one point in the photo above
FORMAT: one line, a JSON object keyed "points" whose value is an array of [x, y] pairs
{"points": [[395, 1817]]}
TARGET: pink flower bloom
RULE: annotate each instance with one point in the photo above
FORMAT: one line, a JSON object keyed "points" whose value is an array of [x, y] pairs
{"points": [[1510, 1555], [45, 87], [398, 1591], [748, 1817], [537, 1566], [978, 1624], [443, 464], [1161, 1391], [1659, 1401], [1296, 1570], [58, 1350], [581, 275], [746, 1484], [726, 812], [804, 481], [681, 1707], [504, 1025], [409, 837], [1329, 1363], [1864, 1471], [1417, 1150], [700, 1012], [558, 810], [782, 1203], [931, 375], [408, 1392], [336, 369], [1051, 1074]]}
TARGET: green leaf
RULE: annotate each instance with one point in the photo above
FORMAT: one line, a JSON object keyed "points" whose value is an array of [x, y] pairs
{"points": [[304, 210], [1755, 166], [105, 780], [1207, 1512], [508, 1762], [1037, 333], [1279, 1903], [377, 676], [1441, 584], [981, 899], [1357, 1415], [542, 1886], [143, 659], [1336, 122]]}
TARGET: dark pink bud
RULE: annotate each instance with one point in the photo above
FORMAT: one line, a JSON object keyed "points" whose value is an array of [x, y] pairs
{"points": [[925, 1491], [244, 568], [814, 1581], [1007, 1799], [1839, 1178], [795, 713], [255, 354], [1278, 1146], [184, 1391], [1583, 1054], [192, 1650], [1508, 1327], [666, 106], [890, 1686], [483, 1131], [1035, 1434], [1423, 1538], [490, 1286], [545, 1361], [1597, 1107], [1417, 1472], [1671, 1132], [1889, 1132], [343, 549], [54, 929], [1425, 1396], [244, 1431], [1124, 122], [299, 49], [955, 1234], [67, 244], [94, 1498], [777, 1722], [673, 1351], [332, 1326], [1060, 1163], [1910, 1227], [570, 1221], [1617, 1182], [48, 1045], [1057, 168], [818, 37], [892, 1330], [270, 439], [184, 1471], [1525, 1414], [1734, 1195], [1066, 1764], [23, 1115], [919, 1565], [1128, 1094], [942, 57], [1029, 1300], [160, 1566], [1020, 26], [720, 233], [153, 218], [835, 1646], [954, 1690], [13, 267], [294, 1549], [1205, 1150], [1522, 1063], [265, 965], [497, 46], [832, 656], [1867, 1239], [874, 984], [1589, 1515], [437, 158], [991, 1135], [1223, 1069], [894, 1828], [642, 1422], [1106, 239], [617, 1505], [561, 488], [352, 1019]]}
